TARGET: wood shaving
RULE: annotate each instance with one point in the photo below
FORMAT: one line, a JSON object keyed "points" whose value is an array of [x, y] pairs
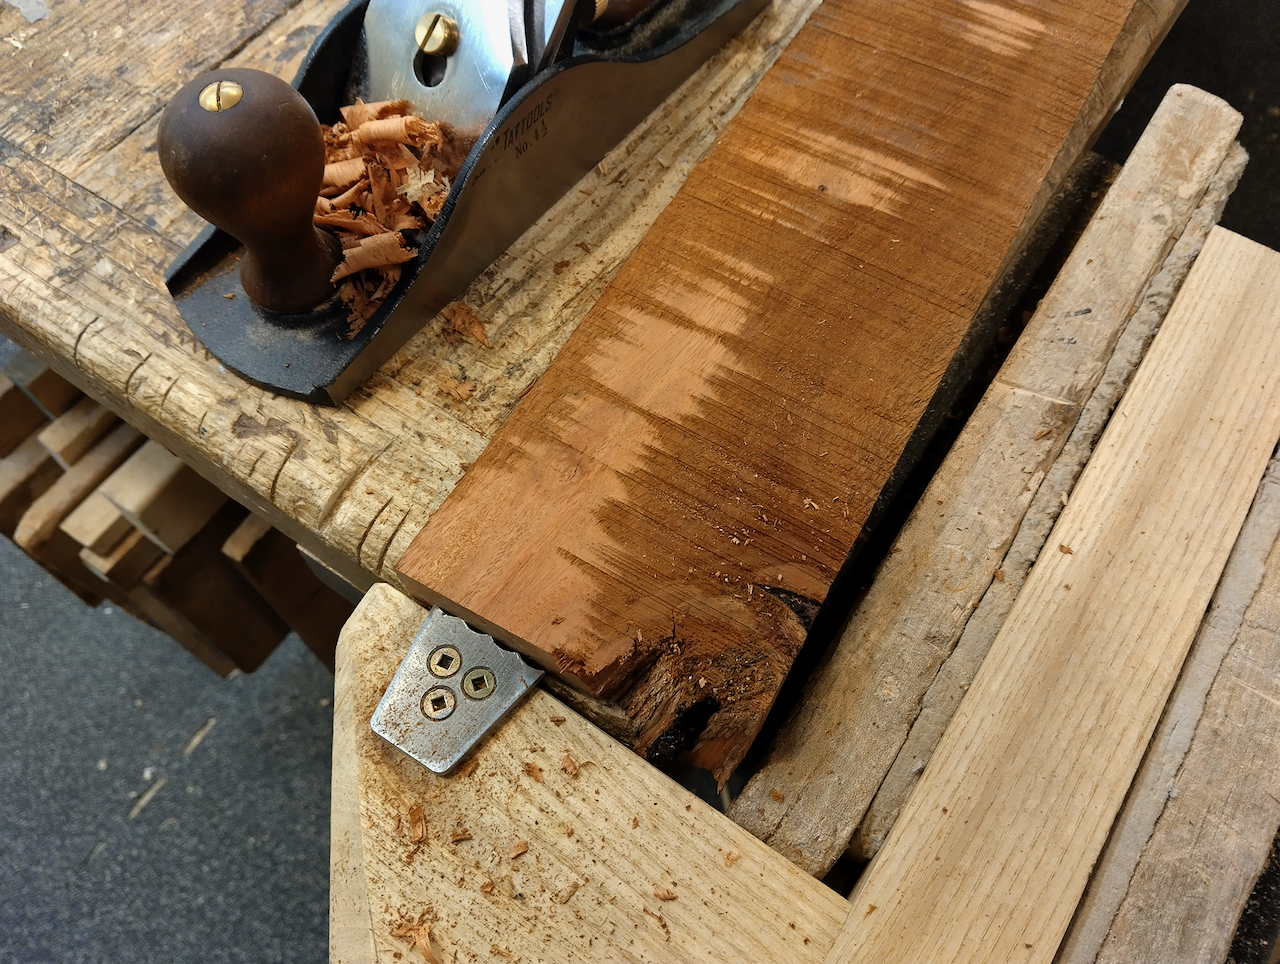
{"points": [[464, 323], [557, 720], [518, 849], [486, 887], [731, 858], [1065, 550], [532, 769], [386, 172], [776, 795], [563, 896], [419, 933], [459, 834], [664, 893], [497, 951], [568, 766], [417, 825], [635, 823], [459, 390]]}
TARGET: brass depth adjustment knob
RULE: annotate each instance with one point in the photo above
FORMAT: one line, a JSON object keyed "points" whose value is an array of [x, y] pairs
{"points": [[244, 150]]}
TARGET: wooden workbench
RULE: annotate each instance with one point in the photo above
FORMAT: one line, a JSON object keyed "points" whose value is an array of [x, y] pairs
{"points": [[93, 226]]}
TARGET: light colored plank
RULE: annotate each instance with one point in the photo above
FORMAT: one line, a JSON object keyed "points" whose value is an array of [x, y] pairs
{"points": [[805, 283], [1158, 777], [826, 767], [19, 417], [994, 848], [956, 674], [162, 497], [76, 430], [599, 844], [1221, 812], [96, 524]]}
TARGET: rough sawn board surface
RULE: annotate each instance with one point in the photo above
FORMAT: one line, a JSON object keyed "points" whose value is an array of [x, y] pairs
{"points": [[722, 422]]}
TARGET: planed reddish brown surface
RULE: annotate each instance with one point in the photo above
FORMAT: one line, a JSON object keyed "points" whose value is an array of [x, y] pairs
{"points": [[724, 419]]}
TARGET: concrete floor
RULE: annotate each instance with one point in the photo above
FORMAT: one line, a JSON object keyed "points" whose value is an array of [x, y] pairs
{"points": [[227, 858]]}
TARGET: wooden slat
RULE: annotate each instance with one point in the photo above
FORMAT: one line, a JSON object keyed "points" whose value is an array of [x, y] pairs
{"points": [[601, 843], [75, 431], [96, 524], [726, 417], [1169, 901], [994, 848], [126, 564], [830, 762], [38, 533], [44, 387], [162, 496], [202, 586]]}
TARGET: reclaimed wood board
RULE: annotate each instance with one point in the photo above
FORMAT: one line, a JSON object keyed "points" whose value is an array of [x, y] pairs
{"points": [[710, 441], [994, 848]]}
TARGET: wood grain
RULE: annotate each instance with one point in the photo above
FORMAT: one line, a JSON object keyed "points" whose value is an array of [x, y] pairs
{"points": [[75, 431], [1243, 594], [999, 837], [830, 762], [600, 842], [723, 421], [1221, 812]]}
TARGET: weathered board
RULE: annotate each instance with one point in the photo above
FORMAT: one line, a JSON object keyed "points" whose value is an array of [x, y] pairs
{"points": [[994, 847], [719, 427]]}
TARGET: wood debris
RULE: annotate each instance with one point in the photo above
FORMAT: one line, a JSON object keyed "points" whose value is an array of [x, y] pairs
{"points": [[563, 896], [557, 720], [568, 766], [486, 887], [534, 771], [458, 390], [419, 933], [518, 849], [664, 893], [417, 825], [386, 172], [459, 834], [463, 323]]}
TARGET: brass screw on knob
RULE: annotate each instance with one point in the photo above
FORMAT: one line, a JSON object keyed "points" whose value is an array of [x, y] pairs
{"points": [[221, 95], [436, 35]]}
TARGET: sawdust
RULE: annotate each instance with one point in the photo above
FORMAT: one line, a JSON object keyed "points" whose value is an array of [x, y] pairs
{"points": [[518, 849], [386, 172]]}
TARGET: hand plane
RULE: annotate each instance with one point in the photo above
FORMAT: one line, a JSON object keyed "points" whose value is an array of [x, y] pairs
{"points": [[546, 88]]}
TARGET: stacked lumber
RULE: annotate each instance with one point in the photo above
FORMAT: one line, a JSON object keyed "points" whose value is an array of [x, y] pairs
{"points": [[845, 765], [115, 517]]}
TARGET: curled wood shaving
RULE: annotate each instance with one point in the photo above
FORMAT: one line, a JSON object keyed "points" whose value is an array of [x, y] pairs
{"points": [[417, 825], [340, 175], [459, 834], [664, 893], [464, 323], [518, 849], [378, 251], [419, 934], [386, 172], [568, 766]]}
